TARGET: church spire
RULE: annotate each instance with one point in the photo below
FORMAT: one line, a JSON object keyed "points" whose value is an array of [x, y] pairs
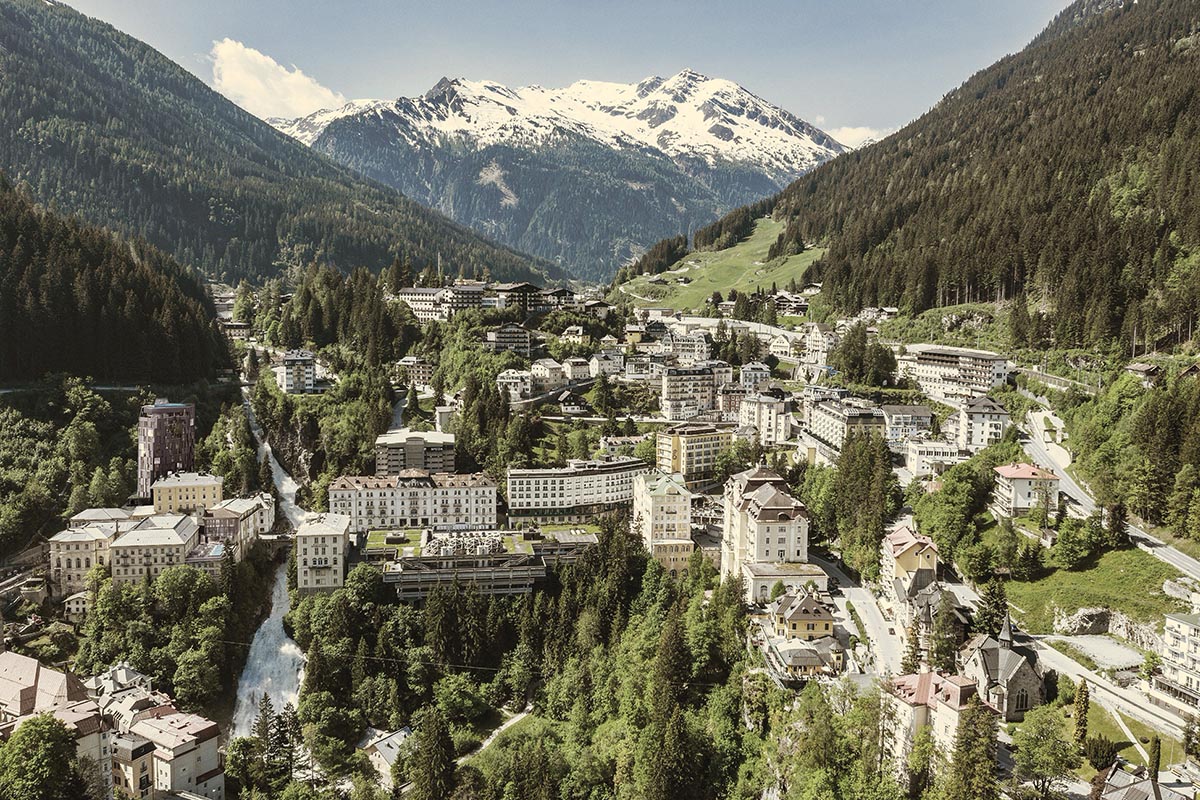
{"points": [[1006, 634]]}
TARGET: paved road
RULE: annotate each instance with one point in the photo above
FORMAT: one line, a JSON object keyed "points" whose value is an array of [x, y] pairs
{"points": [[886, 646], [1151, 544]]}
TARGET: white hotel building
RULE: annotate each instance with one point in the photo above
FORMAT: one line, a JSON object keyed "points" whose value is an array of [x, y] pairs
{"points": [[415, 499], [953, 373], [575, 492]]}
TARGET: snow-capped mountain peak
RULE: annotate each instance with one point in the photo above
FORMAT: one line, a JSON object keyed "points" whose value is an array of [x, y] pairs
{"points": [[687, 116]]}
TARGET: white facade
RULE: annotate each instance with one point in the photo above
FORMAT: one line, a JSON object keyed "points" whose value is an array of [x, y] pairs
{"points": [[186, 755], [953, 373], [982, 423], [754, 373], [547, 375], [1021, 488], [931, 456], [517, 384], [662, 517], [833, 421], [321, 545], [415, 499], [768, 414], [605, 365], [299, 372], [819, 341], [687, 392], [580, 488], [688, 348], [576, 369], [152, 545]]}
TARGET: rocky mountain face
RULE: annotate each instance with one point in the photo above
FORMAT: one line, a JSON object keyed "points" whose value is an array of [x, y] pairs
{"points": [[586, 176]]}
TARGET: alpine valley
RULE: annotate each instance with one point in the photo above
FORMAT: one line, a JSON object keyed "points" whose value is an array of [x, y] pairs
{"points": [[586, 176]]}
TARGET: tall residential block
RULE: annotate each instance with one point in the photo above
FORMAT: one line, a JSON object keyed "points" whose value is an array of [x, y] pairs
{"points": [[166, 442]]}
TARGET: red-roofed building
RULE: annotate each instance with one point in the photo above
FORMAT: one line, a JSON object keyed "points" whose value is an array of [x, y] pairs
{"points": [[926, 698], [1020, 488]]}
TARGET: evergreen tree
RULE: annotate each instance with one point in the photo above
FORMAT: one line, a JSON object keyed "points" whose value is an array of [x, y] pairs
{"points": [[431, 768], [993, 607], [1154, 762], [1082, 702], [973, 764], [944, 650], [912, 653]]}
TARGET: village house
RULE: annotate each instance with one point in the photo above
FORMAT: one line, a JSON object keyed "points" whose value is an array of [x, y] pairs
{"points": [[1021, 488]]}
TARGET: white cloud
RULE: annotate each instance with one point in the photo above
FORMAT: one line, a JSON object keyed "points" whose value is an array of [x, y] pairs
{"points": [[819, 119], [855, 136], [263, 86]]}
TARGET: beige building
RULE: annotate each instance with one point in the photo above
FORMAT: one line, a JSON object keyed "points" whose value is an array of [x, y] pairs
{"points": [[577, 491], [691, 450], [662, 517], [1177, 683], [186, 757], [981, 423], [512, 337], [1021, 488], [415, 499], [926, 699], [242, 520], [687, 392], [75, 551], [152, 545], [401, 449], [322, 541], [299, 372], [763, 524], [186, 492], [834, 421], [908, 562], [801, 614]]}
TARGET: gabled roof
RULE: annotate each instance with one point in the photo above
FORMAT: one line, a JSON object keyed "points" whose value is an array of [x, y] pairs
{"points": [[931, 688], [1017, 471], [985, 405], [904, 538]]}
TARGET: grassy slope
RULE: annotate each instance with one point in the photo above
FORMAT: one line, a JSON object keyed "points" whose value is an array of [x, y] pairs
{"points": [[1129, 580], [741, 267]]}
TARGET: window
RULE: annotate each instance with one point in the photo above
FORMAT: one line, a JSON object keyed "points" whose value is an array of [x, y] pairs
{"points": [[1022, 700]]}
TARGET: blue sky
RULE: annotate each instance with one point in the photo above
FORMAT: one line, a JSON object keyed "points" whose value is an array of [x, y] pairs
{"points": [[855, 67]]}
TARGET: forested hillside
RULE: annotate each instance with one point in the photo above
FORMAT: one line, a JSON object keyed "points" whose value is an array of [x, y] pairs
{"points": [[1065, 173], [76, 299], [103, 125]]}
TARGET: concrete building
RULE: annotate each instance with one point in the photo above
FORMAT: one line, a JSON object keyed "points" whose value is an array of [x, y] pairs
{"points": [[687, 392], [415, 499], [186, 755], [763, 524], [299, 372], [768, 415], [923, 456], [753, 374], [425, 302], [521, 295], [834, 421], [576, 369], [186, 492], [691, 450], [322, 541], [1021, 488], [662, 517], [981, 423], [416, 370], [688, 348], [577, 491], [239, 521], [601, 364], [952, 373], [152, 545], [547, 375], [510, 337], [133, 764], [461, 296], [166, 441], [403, 448], [819, 341]]}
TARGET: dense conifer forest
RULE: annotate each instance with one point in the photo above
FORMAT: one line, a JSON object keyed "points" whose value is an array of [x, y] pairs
{"points": [[74, 298], [1062, 173], [103, 125]]}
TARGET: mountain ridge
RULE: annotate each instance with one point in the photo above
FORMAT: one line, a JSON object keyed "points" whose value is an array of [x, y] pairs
{"points": [[102, 125], [587, 175]]}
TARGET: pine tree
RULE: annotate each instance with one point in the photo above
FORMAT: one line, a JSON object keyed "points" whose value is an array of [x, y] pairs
{"points": [[993, 606], [1154, 762], [431, 768], [912, 653], [266, 479], [973, 765], [1082, 702], [944, 650]]}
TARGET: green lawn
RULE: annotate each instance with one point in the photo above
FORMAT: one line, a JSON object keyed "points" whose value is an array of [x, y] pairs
{"points": [[743, 267], [1128, 580], [380, 538]]}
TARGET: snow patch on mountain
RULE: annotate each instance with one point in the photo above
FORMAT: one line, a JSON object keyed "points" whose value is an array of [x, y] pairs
{"points": [[687, 117]]}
